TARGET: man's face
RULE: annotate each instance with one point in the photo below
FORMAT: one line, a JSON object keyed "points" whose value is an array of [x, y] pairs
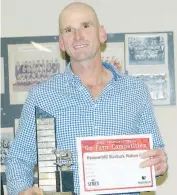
{"points": [[80, 34]]}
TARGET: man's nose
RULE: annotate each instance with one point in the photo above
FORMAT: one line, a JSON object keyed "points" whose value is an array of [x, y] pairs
{"points": [[77, 34]]}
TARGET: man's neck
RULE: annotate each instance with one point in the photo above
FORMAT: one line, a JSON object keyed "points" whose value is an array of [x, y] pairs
{"points": [[91, 73]]}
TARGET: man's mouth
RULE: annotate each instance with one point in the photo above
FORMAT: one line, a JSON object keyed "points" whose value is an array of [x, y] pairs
{"points": [[80, 46]]}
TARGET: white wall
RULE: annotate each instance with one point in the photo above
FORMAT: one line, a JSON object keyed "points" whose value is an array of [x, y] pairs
{"points": [[39, 17]]}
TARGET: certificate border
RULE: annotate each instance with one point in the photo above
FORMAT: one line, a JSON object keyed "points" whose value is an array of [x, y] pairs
{"points": [[124, 190]]}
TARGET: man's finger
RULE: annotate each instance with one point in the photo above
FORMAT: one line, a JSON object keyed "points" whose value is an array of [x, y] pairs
{"points": [[150, 162], [37, 191], [151, 153]]}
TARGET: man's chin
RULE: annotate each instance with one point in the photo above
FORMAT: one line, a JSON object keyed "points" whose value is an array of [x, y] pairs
{"points": [[81, 58]]}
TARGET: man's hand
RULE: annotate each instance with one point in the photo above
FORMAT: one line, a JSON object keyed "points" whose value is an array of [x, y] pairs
{"points": [[157, 158], [32, 191]]}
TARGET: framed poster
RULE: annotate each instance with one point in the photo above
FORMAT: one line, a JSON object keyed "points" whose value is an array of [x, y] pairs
{"points": [[31, 64], [144, 50], [149, 57]]}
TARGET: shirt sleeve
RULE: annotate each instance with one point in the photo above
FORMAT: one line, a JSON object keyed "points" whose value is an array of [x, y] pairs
{"points": [[147, 123], [22, 158]]}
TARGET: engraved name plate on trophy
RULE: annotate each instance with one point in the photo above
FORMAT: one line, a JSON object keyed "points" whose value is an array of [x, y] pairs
{"points": [[54, 174]]}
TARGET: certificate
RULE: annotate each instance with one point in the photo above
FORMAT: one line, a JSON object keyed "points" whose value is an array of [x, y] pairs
{"points": [[110, 164]]}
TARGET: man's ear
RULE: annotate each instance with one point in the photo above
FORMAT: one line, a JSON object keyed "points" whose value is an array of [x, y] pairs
{"points": [[61, 43], [102, 34]]}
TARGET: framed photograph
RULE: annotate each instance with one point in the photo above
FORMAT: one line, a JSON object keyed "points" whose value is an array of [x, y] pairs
{"points": [[146, 49], [2, 76], [7, 136], [31, 64], [113, 53], [158, 85], [150, 57]]}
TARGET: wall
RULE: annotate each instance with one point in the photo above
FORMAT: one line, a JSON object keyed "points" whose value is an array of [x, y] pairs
{"points": [[35, 18]]}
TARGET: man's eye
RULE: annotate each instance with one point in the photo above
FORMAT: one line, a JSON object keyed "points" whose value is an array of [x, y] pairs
{"points": [[86, 25], [67, 30]]}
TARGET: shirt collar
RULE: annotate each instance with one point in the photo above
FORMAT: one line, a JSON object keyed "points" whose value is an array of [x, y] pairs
{"points": [[116, 74]]}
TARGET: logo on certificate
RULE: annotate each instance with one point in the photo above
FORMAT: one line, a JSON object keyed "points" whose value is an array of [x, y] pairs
{"points": [[144, 181], [93, 183], [143, 177]]}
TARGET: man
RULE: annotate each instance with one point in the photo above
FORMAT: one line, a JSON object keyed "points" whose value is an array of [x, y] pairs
{"points": [[89, 99]]}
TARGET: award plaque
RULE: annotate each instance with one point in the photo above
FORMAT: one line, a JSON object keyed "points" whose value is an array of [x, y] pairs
{"points": [[54, 174]]}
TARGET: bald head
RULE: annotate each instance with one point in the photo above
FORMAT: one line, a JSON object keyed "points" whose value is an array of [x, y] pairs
{"points": [[73, 11]]}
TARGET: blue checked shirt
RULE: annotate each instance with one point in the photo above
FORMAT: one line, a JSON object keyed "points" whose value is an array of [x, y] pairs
{"points": [[124, 107]]}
